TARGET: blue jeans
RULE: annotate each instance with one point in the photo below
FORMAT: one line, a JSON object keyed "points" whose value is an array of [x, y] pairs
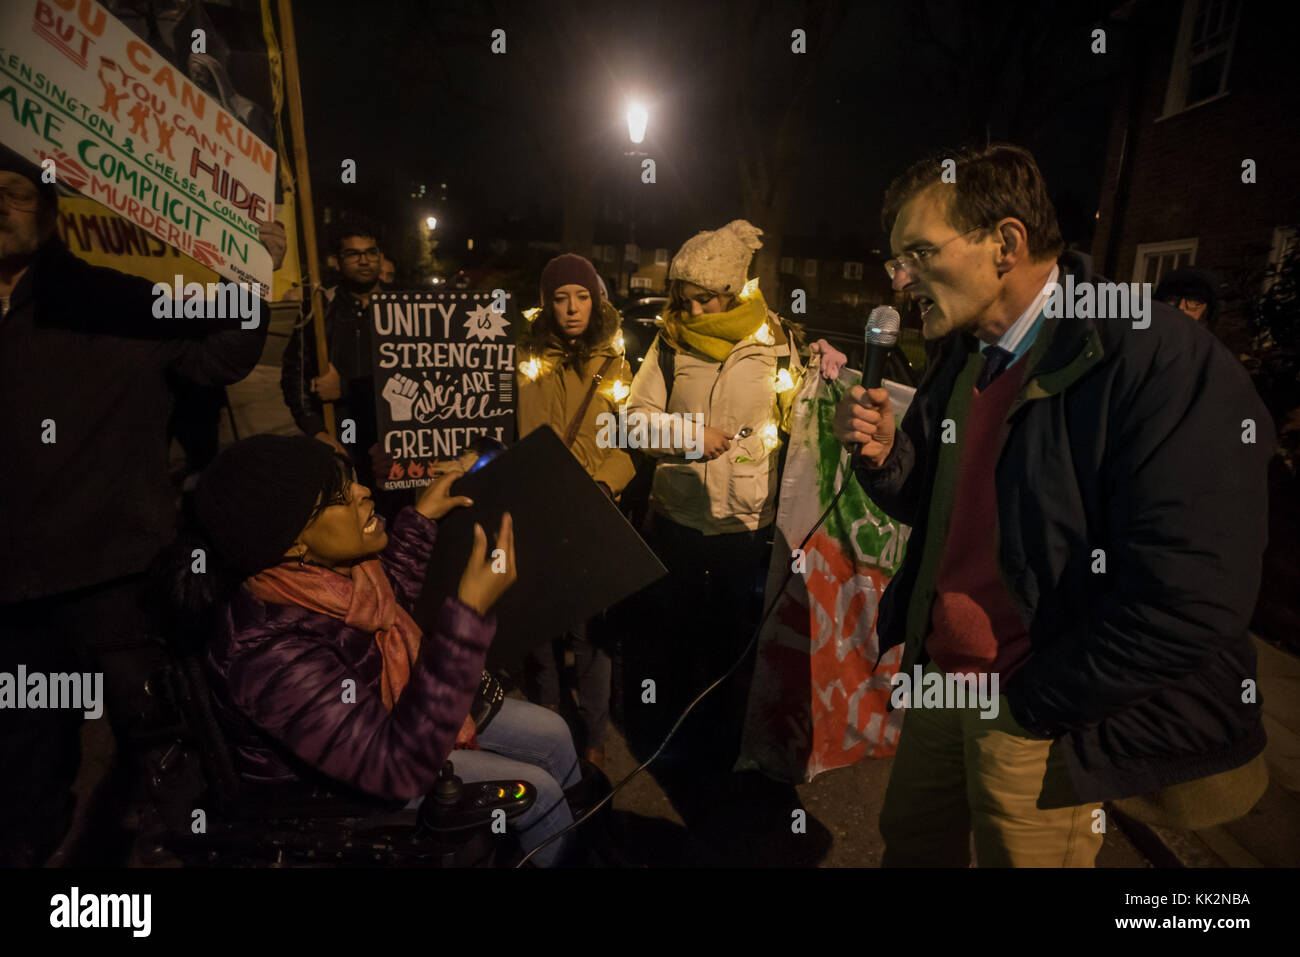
{"points": [[525, 742]]}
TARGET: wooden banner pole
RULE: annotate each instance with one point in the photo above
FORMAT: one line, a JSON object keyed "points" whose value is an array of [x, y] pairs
{"points": [[302, 177]]}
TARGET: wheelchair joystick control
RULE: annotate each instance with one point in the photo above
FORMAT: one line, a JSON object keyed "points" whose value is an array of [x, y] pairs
{"points": [[447, 791], [452, 805]]}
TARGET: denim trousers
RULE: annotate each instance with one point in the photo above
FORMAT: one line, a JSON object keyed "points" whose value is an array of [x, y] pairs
{"points": [[525, 742]]}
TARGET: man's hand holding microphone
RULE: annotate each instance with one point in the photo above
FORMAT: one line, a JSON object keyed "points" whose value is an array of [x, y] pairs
{"points": [[864, 419]]}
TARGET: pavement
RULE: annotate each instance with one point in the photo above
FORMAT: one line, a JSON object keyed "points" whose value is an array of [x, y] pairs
{"points": [[745, 820]]}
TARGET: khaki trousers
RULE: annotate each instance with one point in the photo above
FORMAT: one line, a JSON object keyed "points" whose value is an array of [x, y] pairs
{"points": [[956, 773]]}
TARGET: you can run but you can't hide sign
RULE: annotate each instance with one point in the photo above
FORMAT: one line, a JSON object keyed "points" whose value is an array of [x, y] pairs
{"points": [[444, 375]]}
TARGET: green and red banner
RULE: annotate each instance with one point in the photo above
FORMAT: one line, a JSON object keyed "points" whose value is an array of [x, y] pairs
{"points": [[818, 701]]}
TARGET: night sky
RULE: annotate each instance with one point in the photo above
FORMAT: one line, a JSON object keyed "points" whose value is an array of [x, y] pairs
{"points": [[412, 92]]}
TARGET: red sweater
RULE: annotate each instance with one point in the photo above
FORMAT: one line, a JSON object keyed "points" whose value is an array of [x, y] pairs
{"points": [[975, 624]]}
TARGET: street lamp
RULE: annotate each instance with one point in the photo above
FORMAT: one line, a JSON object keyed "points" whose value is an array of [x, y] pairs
{"points": [[427, 244], [637, 118]]}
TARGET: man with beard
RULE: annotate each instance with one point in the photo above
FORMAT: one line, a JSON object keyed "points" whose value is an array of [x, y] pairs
{"points": [[84, 374], [349, 380]]}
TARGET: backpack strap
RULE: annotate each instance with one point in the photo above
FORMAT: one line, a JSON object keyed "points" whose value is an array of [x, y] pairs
{"points": [[571, 432], [667, 365], [785, 361]]}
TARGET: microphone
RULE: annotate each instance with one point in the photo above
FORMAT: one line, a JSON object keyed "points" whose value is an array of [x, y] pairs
{"points": [[879, 336]]}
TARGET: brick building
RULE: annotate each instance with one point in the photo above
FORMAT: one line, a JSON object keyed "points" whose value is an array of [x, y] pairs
{"points": [[1212, 85]]}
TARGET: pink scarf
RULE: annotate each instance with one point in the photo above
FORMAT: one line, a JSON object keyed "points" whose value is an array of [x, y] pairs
{"points": [[364, 601]]}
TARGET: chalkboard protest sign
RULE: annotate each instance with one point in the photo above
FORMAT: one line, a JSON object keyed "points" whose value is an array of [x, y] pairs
{"points": [[444, 375]]}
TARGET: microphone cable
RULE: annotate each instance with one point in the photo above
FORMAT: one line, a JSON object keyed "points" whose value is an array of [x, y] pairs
{"points": [[753, 642]]}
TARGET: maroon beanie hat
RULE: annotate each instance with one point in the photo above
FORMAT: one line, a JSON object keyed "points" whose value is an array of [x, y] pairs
{"points": [[566, 269]]}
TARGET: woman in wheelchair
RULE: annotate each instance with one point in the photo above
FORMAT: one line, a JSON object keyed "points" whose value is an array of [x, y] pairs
{"points": [[314, 654]]}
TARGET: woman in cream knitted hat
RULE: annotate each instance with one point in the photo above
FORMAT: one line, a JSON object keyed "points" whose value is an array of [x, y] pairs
{"points": [[726, 369], [718, 260]]}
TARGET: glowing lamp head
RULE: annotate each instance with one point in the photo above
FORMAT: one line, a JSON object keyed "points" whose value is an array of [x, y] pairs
{"points": [[769, 436], [620, 390], [784, 380], [637, 119], [531, 314], [619, 343], [750, 288], [764, 335], [430, 222], [530, 369]]}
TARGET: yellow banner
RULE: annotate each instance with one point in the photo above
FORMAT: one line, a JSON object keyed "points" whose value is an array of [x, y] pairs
{"points": [[101, 237]]}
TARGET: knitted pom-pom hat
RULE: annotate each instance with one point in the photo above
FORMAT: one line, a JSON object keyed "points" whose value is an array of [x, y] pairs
{"points": [[718, 260]]}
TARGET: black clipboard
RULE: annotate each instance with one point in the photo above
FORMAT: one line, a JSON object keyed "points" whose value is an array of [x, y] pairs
{"points": [[575, 553]]}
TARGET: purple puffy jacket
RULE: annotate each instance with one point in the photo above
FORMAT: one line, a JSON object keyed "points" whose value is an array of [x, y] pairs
{"points": [[278, 673]]}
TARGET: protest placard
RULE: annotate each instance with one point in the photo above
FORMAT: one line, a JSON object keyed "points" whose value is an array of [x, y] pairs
{"points": [[444, 375], [95, 233], [109, 116]]}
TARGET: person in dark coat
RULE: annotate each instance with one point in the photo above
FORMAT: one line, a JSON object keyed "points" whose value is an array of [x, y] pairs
{"points": [[1192, 292], [84, 368], [318, 669], [1086, 500], [349, 379]]}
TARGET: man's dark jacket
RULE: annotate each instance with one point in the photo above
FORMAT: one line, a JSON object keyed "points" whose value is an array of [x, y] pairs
{"points": [[1135, 442], [83, 361], [347, 335]]}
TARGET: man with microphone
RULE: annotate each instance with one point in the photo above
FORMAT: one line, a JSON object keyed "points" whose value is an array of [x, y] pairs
{"points": [[1086, 498]]}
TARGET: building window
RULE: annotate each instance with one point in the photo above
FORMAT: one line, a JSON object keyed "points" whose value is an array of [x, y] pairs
{"points": [[609, 254], [853, 270], [850, 298], [1203, 53], [640, 282], [661, 257], [809, 268], [787, 265], [631, 253], [1157, 260], [597, 253]]}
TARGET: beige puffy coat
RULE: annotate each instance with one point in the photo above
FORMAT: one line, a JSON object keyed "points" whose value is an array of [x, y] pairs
{"points": [[735, 492]]}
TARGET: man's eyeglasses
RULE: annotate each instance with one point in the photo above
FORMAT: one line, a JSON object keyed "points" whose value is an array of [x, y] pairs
{"points": [[20, 197], [352, 255], [914, 260]]}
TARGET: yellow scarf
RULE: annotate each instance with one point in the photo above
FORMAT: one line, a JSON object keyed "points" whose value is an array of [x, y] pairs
{"points": [[715, 334]]}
